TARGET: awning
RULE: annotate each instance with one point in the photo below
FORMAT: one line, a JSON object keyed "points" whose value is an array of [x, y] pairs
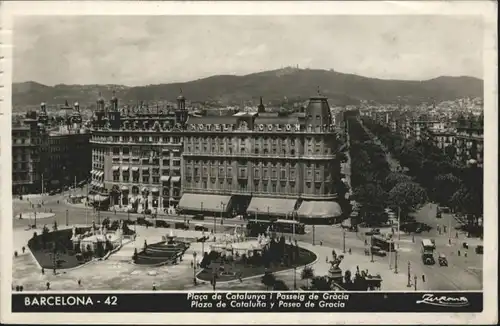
{"points": [[275, 206], [124, 188], [165, 178], [202, 202], [100, 174], [124, 168], [92, 172], [145, 169], [155, 190], [135, 168], [144, 189], [116, 168], [319, 209], [175, 179]]}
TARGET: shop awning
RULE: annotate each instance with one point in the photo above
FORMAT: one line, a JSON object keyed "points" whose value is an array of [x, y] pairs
{"points": [[124, 168], [175, 179], [100, 174], [92, 172], [165, 178], [202, 202], [155, 190], [135, 168], [116, 168], [145, 169], [144, 189], [275, 206], [124, 188], [319, 209]]}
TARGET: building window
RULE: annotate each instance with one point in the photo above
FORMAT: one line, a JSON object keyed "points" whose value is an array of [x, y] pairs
{"points": [[283, 174], [126, 177], [256, 173], [156, 179], [274, 187], [145, 179]]}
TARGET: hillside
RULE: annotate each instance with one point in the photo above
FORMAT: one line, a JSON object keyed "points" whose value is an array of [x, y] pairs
{"points": [[294, 84]]}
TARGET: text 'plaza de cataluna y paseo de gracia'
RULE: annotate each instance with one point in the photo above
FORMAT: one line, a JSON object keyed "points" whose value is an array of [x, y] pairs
{"points": [[263, 164]]}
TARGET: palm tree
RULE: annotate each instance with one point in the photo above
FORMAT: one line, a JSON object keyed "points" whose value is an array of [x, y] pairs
{"points": [[268, 279], [307, 274]]}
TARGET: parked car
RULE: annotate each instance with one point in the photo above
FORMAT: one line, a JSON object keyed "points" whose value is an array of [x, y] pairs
{"points": [[52, 193], [443, 261], [200, 217], [373, 232], [465, 245], [162, 224], [378, 252], [199, 227], [479, 249], [143, 221], [181, 225]]}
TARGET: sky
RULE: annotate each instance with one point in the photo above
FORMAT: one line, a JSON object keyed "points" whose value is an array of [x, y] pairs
{"points": [[142, 50]]}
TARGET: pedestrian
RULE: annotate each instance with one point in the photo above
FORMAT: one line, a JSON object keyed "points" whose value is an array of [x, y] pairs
{"points": [[350, 252], [327, 259], [48, 285], [465, 254], [21, 288], [79, 282], [23, 249], [43, 271], [456, 234], [366, 242], [17, 288], [54, 271], [423, 278], [449, 242], [154, 286], [458, 252], [444, 229], [321, 243]]}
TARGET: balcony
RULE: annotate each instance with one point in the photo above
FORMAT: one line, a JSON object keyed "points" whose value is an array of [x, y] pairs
{"points": [[267, 156]]}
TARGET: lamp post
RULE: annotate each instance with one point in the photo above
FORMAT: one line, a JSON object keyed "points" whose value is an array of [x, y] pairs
{"points": [[295, 277], [221, 213], [194, 268], [399, 223], [409, 277], [415, 280], [395, 262], [67, 218], [343, 237], [371, 248]]}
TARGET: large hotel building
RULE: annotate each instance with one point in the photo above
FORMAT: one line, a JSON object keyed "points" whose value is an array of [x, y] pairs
{"points": [[262, 164]]}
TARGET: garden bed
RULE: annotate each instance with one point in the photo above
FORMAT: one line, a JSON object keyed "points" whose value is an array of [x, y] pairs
{"points": [[241, 270]]}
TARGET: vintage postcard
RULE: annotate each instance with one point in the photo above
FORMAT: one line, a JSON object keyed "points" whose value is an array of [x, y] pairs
{"points": [[249, 162]]}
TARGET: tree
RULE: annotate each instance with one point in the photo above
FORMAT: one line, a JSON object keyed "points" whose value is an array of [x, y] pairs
{"points": [[468, 202], [408, 196], [268, 279], [320, 283], [307, 274], [279, 285], [373, 201], [394, 178], [445, 185]]}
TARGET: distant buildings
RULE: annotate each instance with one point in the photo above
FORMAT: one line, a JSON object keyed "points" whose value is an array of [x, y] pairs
{"points": [[48, 155]]}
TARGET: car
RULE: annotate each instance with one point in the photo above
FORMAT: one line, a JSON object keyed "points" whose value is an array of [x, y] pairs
{"points": [[181, 225], [479, 249], [443, 261], [52, 193], [428, 260], [376, 251], [438, 215], [199, 217], [373, 232], [162, 224], [465, 245], [199, 227], [143, 221]]}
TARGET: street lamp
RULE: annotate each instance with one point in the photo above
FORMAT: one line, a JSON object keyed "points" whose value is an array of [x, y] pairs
{"points": [[395, 262], [415, 280], [409, 277], [295, 277], [194, 268], [343, 236]]}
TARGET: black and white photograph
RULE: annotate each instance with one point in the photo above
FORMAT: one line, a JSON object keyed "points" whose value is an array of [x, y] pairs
{"points": [[297, 158]]}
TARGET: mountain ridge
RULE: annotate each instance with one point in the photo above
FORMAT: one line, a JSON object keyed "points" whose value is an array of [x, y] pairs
{"points": [[285, 84]]}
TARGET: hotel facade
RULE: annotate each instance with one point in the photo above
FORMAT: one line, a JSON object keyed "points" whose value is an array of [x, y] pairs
{"points": [[259, 164], [263, 164]]}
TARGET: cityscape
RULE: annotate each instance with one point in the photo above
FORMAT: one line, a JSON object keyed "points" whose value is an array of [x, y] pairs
{"points": [[363, 184]]}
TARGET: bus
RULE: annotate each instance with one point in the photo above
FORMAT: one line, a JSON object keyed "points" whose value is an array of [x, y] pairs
{"points": [[256, 227], [289, 226], [383, 243], [428, 252]]}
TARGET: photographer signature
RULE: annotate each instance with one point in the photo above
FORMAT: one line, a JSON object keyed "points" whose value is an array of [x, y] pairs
{"points": [[444, 301]]}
